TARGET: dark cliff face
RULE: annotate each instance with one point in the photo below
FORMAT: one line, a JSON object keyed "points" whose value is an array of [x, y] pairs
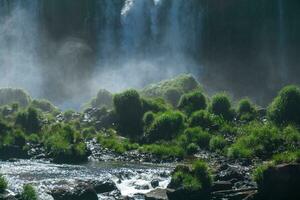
{"points": [[249, 47]]}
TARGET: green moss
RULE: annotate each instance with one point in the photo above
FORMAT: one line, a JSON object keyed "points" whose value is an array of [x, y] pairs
{"points": [[182, 84], [128, 107], [192, 148], [11, 95], [192, 102], [166, 126], [3, 184], [217, 143], [197, 136], [29, 193], [44, 106], [221, 106], [285, 108], [164, 150], [246, 110]]}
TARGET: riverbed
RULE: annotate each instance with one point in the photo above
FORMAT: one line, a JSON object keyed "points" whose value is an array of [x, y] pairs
{"points": [[130, 178]]}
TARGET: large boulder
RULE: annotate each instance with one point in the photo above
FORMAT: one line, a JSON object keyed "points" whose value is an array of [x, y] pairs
{"points": [[281, 182], [157, 194], [82, 191]]}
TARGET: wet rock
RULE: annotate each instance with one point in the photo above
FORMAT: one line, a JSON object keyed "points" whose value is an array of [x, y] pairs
{"points": [[155, 183], [157, 194], [103, 186], [142, 187], [80, 192], [184, 194], [280, 182], [221, 185], [230, 174]]}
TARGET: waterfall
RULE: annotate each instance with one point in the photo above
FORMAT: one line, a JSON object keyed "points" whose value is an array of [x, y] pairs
{"points": [[19, 44], [283, 71]]}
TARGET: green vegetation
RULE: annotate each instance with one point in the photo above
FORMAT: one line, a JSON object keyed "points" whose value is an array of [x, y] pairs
{"points": [[196, 136], [217, 143], [221, 106], [204, 119], [165, 126], [285, 108], [171, 89], [64, 143], [29, 193], [29, 121], [103, 99], [198, 177], [246, 110], [192, 102], [43, 106], [11, 95], [110, 140], [164, 150], [3, 184], [128, 107]]}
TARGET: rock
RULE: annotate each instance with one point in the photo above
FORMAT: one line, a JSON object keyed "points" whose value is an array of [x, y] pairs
{"points": [[221, 185], [103, 186], [280, 182], [80, 192], [142, 187], [231, 173], [184, 194], [157, 194], [155, 183]]}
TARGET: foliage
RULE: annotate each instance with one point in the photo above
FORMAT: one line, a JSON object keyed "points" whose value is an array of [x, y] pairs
{"points": [[29, 193], [183, 84], [172, 96], [103, 99], [258, 173], [29, 120], [166, 126], [163, 150], [197, 136], [148, 118], [192, 102], [128, 107], [204, 119], [43, 105], [286, 157], [257, 140], [196, 178], [217, 143], [10, 95], [246, 110], [155, 105], [221, 106], [65, 143], [192, 148], [285, 108], [110, 140], [3, 184]]}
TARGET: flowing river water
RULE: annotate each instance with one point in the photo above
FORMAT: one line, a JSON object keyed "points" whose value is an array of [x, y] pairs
{"points": [[130, 178]]}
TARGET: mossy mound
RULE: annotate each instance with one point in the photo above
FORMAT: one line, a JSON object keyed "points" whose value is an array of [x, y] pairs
{"points": [[13, 95]]}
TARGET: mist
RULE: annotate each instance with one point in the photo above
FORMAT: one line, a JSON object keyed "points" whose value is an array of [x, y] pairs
{"points": [[66, 51]]}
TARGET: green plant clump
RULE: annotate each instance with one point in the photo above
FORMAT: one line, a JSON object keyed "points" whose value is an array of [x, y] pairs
{"points": [[192, 102], [29, 193], [128, 107], [285, 108], [3, 184], [221, 106]]}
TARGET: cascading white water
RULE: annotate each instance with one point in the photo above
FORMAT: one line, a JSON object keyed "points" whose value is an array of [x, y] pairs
{"points": [[19, 41]]}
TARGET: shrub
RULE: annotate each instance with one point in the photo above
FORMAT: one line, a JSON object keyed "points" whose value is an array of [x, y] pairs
{"points": [[246, 110], [285, 108], [258, 140], [166, 126], [163, 150], [110, 140], [196, 178], [43, 105], [103, 99], [197, 136], [3, 184], [148, 118], [217, 143], [192, 102], [203, 119], [192, 149], [128, 107], [172, 96], [155, 105], [286, 157], [29, 193], [221, 106], [65, 144], [258, 173], [10, 95], [29, 121]]}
